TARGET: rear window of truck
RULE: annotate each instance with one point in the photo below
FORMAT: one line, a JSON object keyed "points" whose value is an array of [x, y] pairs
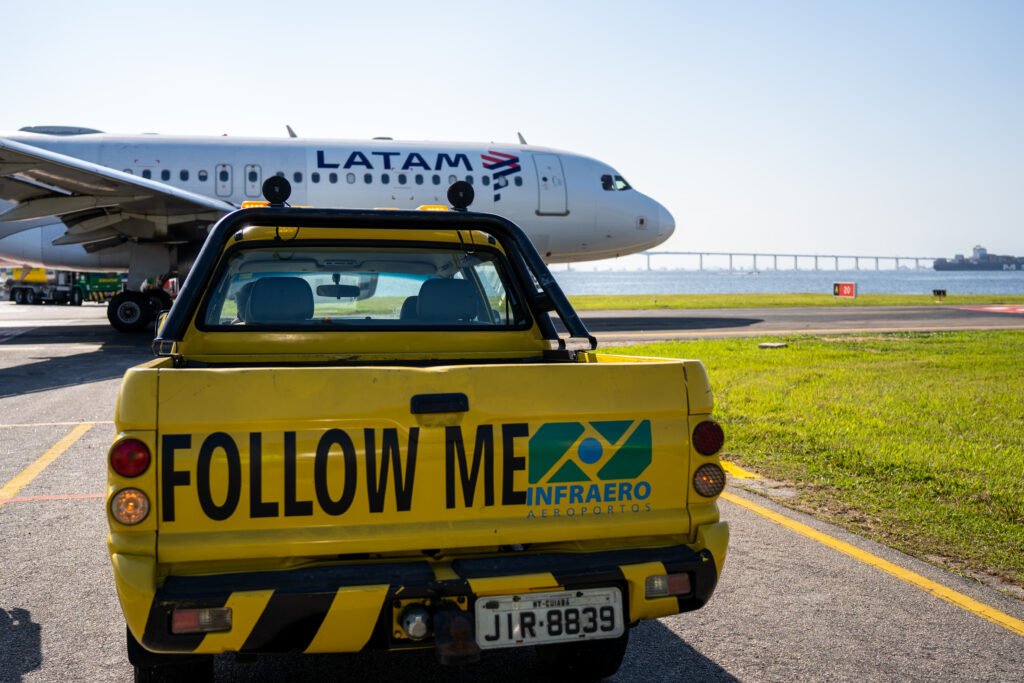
{"points": [[366, 287]]}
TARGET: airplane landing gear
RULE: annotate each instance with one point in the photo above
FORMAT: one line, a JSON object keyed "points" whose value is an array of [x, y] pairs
{"points": [[158, 300], [129, 311]]}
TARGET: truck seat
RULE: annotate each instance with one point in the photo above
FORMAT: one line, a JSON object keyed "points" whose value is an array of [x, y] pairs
{"points": [[409, 308], [242, 301], [447, 301], [279, 300]]}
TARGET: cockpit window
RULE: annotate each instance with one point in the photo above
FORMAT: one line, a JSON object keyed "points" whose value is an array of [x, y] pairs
{"points": [[338, 287], [612, 183]]}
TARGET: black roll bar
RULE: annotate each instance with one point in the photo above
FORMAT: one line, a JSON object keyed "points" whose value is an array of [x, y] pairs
{"points": [[529, 267]]}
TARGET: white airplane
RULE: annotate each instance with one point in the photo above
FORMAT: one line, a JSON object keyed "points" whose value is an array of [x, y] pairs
{"points": [[79, 199]]}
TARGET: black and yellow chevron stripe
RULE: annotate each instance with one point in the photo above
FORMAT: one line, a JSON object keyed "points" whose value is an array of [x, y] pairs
{"points": [[345, 608]]}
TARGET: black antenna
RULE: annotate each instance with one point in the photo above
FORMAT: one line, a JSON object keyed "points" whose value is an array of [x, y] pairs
{"points": [[461, 195], [277, 190]]}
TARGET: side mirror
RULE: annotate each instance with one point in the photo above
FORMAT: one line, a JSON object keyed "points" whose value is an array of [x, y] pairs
{"points": [[338, 291], [160, 318]]}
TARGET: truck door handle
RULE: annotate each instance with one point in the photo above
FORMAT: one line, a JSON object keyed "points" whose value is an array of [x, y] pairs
{"points": [[439, 403]]}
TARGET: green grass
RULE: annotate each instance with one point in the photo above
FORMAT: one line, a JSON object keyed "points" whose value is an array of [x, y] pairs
{"points": [[915, 440], [601, 302]]}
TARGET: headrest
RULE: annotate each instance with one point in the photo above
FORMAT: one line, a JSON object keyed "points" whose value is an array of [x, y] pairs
{"points": [[279, 300], [447, 301], [409, 308], [242, 299]]}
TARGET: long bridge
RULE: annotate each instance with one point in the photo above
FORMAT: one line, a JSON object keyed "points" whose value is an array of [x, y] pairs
{"points": [[795, 259]]}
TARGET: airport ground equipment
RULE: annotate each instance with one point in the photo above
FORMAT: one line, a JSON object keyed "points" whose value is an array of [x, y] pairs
{"points": [[362, 429], [41, 285]]}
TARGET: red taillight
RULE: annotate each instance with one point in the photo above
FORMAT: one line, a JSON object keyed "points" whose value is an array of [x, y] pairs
{"points": [[664, 585], [129, 458], [201, 620], [708, 437]]}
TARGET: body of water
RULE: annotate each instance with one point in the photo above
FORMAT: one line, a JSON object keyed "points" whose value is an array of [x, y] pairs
{"points": [[787, 281]]}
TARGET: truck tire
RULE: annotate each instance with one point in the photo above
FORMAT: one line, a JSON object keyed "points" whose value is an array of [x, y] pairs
{"points": [[588, 661], [194, 671], [19, 296], [76, 297], [31, 298], [156, 668], [128, 312]]}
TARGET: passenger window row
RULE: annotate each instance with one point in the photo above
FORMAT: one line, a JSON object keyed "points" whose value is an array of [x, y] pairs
{"points": [[332, 178], [183, 175], [386, 178]]}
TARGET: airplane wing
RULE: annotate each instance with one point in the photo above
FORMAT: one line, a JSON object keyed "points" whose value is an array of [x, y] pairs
{"points": [[101, 207]]}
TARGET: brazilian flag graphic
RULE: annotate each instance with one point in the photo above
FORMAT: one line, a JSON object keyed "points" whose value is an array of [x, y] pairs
{"points": [[571, 452]]}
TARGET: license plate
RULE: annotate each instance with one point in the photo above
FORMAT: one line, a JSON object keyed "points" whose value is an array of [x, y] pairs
{"points": [[537, 618]]}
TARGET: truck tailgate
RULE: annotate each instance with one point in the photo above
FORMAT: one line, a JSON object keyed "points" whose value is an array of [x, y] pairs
{"points": [[285, 462]]}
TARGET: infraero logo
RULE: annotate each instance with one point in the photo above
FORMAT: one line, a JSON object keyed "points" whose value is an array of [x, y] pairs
{"points": [[589, 462]]}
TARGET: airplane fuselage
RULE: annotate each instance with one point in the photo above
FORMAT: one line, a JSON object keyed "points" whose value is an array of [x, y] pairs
{"points": [[573, 207]]}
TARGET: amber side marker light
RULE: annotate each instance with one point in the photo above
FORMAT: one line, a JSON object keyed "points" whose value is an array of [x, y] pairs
{"points": [[129, 458], [129, 506], [708, 437]]}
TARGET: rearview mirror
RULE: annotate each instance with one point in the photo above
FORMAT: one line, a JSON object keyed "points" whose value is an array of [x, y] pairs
{"points": [[338, 291]]}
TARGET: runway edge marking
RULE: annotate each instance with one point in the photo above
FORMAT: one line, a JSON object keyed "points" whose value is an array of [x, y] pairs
{"points": [[737, 472], [25, 477], [56, 424], [937, 589]]}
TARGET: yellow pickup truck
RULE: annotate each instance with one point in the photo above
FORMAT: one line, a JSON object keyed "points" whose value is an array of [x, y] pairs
{"points": [[363, 428]]}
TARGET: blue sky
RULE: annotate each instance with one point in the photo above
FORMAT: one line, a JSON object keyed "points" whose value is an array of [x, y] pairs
{"points": [[861, 127]]}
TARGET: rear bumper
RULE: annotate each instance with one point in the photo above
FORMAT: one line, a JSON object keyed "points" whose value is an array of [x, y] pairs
{"points": [[345, 608]]}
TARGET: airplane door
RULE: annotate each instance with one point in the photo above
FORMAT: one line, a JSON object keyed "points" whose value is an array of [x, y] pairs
{"points": [[253, 180], [551, 185], [224, 183]]}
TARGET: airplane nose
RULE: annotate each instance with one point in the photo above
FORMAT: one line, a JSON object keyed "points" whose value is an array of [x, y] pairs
{"points": [[666, 224]]}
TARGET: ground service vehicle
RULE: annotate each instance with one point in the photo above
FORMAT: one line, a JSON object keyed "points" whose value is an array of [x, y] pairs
{"points": [[62, 287], [362, 429]]}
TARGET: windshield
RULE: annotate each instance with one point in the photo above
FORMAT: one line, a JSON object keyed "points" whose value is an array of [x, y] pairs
{"points": [[342, 286], [613, 183]]}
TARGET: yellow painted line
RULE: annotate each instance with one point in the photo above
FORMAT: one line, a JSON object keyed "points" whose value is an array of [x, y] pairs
{"points": [[25, 477], [69, 496], [57, 424], [737, 472], [937, 589]]}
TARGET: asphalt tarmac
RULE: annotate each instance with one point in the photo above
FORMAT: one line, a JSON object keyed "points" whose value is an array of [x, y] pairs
{"points": [[788, 607], [620, 327]]}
